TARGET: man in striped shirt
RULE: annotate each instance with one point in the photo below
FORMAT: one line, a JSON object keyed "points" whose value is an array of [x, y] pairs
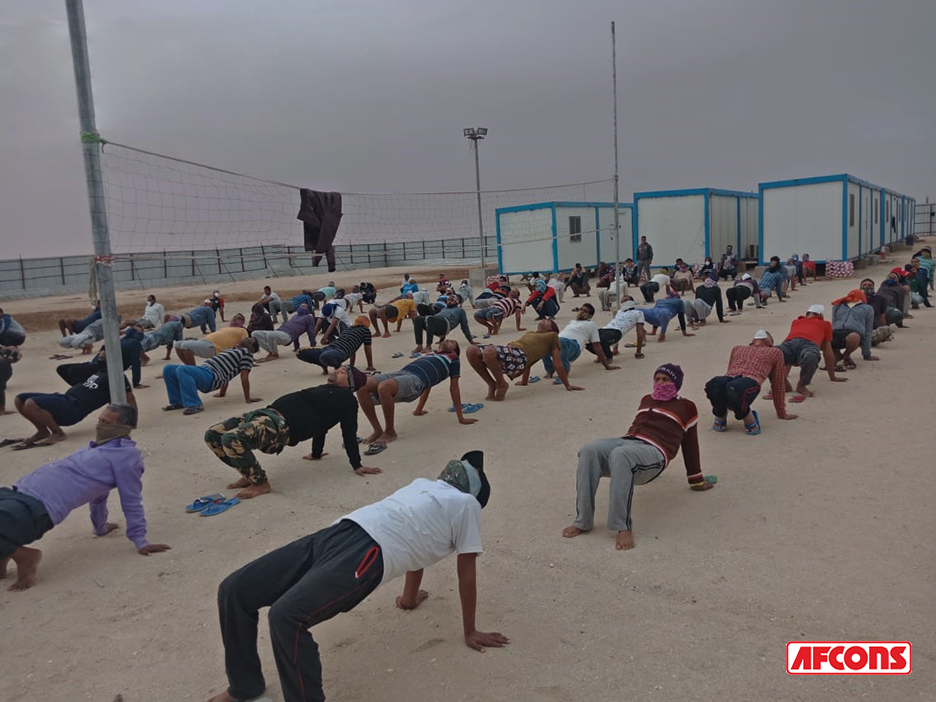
{"points": [[748, 368], [343, 348], [183, 383], [412, 382], [493, 316]]}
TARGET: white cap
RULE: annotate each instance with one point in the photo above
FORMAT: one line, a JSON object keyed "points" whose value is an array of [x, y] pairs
{"points": [[761, 334], [746, 276], [817, 309]]}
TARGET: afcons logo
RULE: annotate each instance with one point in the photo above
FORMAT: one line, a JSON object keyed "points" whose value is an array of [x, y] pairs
{"points": [[849, 658]]}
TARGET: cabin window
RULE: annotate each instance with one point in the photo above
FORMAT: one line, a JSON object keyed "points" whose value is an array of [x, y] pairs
{"points": [[575, 229], [851, 209]]}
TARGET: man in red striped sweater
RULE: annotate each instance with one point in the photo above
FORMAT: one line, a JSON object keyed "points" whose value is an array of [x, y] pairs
{"points": [[664, 423], [748, 368]]}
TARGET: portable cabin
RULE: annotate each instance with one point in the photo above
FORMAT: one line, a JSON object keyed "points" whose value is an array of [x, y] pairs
{"points": [[832, 218], [554, 236], [695, 223]]}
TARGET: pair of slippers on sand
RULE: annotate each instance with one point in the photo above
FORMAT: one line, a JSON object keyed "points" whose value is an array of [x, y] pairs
{"points": [[210, 505], [23, 445]]}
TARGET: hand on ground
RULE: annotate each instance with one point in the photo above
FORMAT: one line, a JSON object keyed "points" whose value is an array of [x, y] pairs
{"points": [[479, 640], [367, 470]]}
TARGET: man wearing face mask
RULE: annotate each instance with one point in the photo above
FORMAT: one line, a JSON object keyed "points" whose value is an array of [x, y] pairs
{"points": [[333, 570], [809, 340], [892, 292], [664, 423], [44, 498], [440, 324], [852, 328]]}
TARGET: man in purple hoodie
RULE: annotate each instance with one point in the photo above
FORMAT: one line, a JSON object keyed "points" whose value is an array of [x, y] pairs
{"points": [[289, 332], [44, 498]]}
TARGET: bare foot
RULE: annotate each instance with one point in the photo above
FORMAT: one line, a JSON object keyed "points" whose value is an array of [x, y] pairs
{"points": [[27, 566], [54, 439], [501, 391], [372, 438], [386, 335], [387, 437], [804, 391], [491, 390], [570, 532], [3, 567], [38, 436], [6, 412], [310, 457], [625, 541], [242, 483], [223, 697], [254, 491]]}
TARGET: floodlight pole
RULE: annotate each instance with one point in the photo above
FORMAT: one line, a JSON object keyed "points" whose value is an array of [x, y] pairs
{"points": [[617, 224], [476, 135], [90, 144]]}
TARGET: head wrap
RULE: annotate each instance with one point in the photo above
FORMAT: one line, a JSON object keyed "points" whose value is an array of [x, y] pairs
{"points": [[674, 372], [329, 309], [746, 276], [467, 475], [816, 309], [540, 286], [854, 297], [356, 379], [710, 281], [761, 334], [302, 310], [237, 321], [898, 271], [362, 321]]}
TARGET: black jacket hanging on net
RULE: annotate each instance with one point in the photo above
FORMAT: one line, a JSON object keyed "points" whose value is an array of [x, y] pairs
{"points": [[320, 214]]}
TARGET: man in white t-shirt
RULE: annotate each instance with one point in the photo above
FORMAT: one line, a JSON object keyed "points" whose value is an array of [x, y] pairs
{"points": [[659, 282], [627, 318], [270, 300], [579, 334], [334, 319], [333, 570]]}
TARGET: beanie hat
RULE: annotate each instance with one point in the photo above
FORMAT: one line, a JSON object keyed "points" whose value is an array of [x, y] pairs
{"points": [[356, 378], [674, 372]]}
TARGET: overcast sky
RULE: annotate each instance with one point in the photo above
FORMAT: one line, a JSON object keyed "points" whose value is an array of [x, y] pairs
{"points": [[372, 96]]}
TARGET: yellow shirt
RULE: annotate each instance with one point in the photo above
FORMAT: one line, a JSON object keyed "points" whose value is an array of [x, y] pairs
{"points": [[404, 307], [536, 345], [227, 338]]}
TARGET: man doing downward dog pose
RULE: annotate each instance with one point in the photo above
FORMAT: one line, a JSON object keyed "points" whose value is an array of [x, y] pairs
{"points": [[495, 364], [664, 423], [412, 382], [333, 570], [290, 420], [748, 368]]}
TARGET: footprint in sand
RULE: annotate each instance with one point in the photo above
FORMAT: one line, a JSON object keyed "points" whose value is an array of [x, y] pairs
{"points": [[431, 643]]}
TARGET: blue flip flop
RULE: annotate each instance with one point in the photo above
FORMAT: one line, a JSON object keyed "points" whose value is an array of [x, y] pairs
{"points": [[534, 379], [486, 336], [468, 408], [557, 381], [202, 503], [754, 428], [720, 425], [415, 354], [219, 507], [397, 355]]}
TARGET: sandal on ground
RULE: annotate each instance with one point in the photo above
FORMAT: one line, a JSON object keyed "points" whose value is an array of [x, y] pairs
{"points": [[375, 449], [468, 408], [534, 379], [194, 410], [173, 408], [798, 398], [219, 507], [754, 428], [397, 355], [202, 503], [720, 425], [850, 364]]}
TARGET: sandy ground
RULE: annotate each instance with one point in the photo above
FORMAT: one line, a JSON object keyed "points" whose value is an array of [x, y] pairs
{"points": [[819, 529]]}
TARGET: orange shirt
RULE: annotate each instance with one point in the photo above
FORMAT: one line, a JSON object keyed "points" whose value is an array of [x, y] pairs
{"points": [[814, 329]]}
